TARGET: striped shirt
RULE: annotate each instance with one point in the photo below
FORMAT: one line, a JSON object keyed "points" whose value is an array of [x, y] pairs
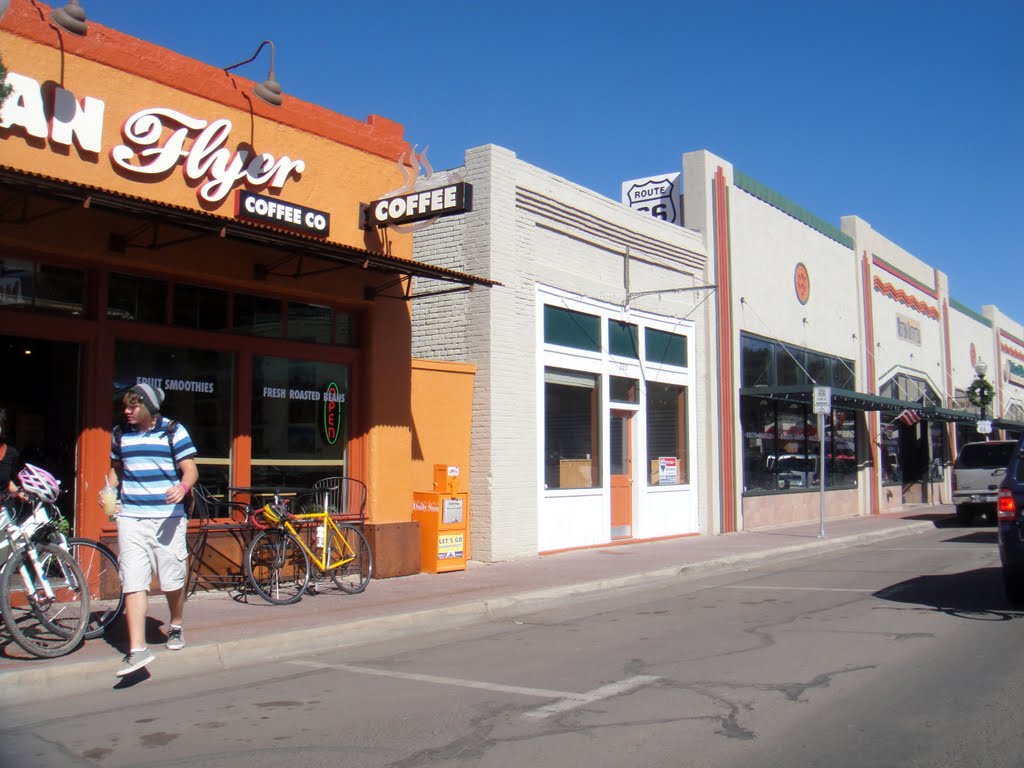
{"points": [[149, 467]]}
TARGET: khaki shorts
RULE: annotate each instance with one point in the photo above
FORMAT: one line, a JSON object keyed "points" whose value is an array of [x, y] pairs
{"points": [[148, 545]]}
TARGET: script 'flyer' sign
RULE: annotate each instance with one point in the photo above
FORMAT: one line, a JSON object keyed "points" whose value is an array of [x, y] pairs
{"points": [[450, 546], [660, 196]]}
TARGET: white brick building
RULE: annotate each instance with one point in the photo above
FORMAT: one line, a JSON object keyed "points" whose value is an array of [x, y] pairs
{"points": [[566, 255]]}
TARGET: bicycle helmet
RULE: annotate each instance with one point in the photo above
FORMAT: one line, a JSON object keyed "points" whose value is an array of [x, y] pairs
{"points": [[39, 483]]}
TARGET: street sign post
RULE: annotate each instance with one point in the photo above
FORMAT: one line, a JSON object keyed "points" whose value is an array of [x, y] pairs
{"points": [[822, 405]]}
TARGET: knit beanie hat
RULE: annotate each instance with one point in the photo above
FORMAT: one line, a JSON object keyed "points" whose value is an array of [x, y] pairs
{"points": [[152, 397]]}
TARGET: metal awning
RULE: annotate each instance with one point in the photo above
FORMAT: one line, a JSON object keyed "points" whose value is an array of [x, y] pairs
{"points": [[1009, 424], [934, 413], [841, 398], [863, 401], [298, 244]]}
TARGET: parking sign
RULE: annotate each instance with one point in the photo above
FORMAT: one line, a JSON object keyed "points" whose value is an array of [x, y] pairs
{"points": [[823, 399]]}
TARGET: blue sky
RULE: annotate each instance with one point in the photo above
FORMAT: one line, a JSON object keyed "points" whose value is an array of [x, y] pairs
{"points": [[907, 113]]}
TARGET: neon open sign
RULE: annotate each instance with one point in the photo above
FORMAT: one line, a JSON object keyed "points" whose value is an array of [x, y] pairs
{"points": [[332, 412]]}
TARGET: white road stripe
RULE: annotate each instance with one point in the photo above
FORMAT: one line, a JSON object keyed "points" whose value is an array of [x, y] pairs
{"points": [[564, 700], [438, 680], [582, 699], [796, 589]]}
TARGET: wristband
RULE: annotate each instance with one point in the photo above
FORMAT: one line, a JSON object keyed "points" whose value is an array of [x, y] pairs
{"points": [[185, 486]]}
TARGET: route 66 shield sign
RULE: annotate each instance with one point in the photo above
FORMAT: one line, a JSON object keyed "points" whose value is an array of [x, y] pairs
{"points": [[655, 195]]}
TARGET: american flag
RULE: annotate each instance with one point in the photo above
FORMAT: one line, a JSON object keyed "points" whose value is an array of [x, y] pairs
{"points": [[909, 417]]}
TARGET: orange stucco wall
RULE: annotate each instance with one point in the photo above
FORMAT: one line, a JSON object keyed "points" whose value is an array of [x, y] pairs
{"points": [[347, 162], [442, 417]]}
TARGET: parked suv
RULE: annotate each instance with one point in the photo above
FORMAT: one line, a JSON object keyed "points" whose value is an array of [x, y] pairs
{"points": [[1010, 519], [976, 475]]}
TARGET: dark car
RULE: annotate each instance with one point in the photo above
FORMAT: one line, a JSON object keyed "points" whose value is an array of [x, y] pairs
{"points": [[1010, 519]]}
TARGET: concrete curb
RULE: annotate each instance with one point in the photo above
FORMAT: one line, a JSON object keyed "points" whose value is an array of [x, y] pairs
{"points": [[43, 681]]}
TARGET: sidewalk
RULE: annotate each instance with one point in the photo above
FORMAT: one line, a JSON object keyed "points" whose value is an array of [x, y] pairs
{"points": [[224, 630]]}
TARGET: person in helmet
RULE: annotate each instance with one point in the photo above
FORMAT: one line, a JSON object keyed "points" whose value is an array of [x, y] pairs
{"points": [[153, 466]]}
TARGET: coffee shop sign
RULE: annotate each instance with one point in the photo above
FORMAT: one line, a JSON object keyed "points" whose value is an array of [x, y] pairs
{"points": [[154, 140]]}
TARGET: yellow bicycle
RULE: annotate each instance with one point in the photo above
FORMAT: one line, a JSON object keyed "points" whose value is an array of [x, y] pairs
{"points": [[277, 559]]}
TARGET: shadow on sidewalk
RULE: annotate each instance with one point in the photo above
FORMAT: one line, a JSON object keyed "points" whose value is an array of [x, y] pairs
{"points": [[976, 595]]}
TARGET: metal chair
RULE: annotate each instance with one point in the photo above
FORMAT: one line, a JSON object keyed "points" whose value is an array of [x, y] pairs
{"points": [[227, 518], [343, 497]]}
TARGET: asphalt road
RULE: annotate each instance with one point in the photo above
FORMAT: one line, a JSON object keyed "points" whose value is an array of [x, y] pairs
{"points": [[894, 653]]}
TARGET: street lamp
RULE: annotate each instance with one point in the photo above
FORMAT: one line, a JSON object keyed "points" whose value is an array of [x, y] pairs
{"points": [[981, 392]]}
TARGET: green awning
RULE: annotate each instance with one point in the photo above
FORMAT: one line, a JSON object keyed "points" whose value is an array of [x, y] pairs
{"points": [[846, 399], [934, 413], [1008, 424]]}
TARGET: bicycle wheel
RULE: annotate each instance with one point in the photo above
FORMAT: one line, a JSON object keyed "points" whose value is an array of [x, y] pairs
{"points": [[44, 627], [277, 567], [102, 575], [352, 550]]}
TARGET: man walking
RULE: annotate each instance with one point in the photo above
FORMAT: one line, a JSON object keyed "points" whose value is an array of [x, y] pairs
{"points": [[153, 466]]}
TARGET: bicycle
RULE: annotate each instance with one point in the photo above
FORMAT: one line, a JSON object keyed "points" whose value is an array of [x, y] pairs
{"points": [[42, 600], [46, 525], [277, 559]]}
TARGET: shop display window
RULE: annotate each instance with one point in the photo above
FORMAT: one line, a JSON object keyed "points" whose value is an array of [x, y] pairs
{"points": [[760, 446], [757, 362], [199, 391], [300, 424], [25, 283], [344, 330], [623, 340], [782, 447], [257, 316], [790, 366], [203, 308], [664, 348], [569, 328], [309, 322], [623, 390], [130, 297], [572, 450], [892, 471], [666, 435]]}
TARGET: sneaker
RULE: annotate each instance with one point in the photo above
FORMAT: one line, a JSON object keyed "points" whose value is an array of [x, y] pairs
{"points": [[134, 661], [175, 642]]}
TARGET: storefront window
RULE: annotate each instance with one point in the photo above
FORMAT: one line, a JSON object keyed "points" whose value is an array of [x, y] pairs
{"points": [[842, 374], [791, 365], [571, 434], [892, 472], [203, 308], [757, 360], [309, 322], [26, 283], [572, 329], [623, 390], [665, 348], [60, 290], [198, 386], [666, 435], [622, 339], [344, 329], [782, 449], [257, 316], [759, 445], [299, 421], [137, 298], [842, 450]]}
